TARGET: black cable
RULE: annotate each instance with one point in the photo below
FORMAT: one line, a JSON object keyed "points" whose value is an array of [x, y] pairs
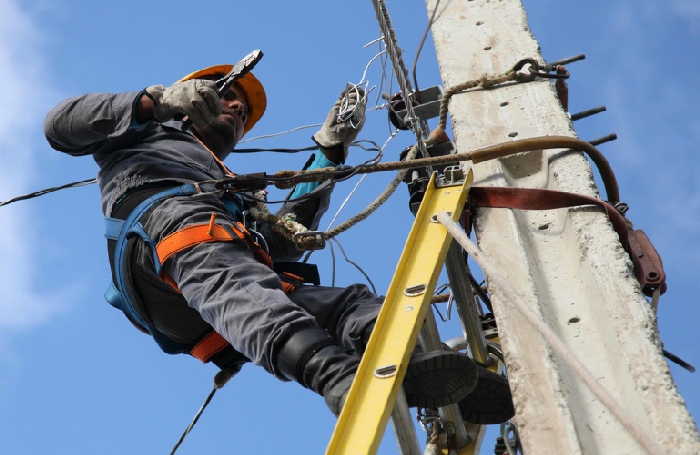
{"points": [[269, 179], [49, 190], [277, 150], [281, 201], [194, 420], [354, 264], [383, 73], [332, 264], [439, 313], [422, 43]]}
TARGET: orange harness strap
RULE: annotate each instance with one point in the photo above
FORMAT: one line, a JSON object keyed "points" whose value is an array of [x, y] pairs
{"points": [[195, 234], [209, 346]]}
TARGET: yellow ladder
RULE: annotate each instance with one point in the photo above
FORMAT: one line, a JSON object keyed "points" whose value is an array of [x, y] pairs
{"points": [[361, 424]]}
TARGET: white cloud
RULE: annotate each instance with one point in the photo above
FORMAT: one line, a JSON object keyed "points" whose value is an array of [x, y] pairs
{"points": [[23, 87], [688, 9]]}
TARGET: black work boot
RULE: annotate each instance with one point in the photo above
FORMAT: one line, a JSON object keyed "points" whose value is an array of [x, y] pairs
{"points": [[313, 359], [438, 378], [490, 402]]}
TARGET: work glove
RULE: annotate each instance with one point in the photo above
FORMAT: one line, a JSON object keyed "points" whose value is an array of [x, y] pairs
{"points": [[344, 120], [197, 99]]}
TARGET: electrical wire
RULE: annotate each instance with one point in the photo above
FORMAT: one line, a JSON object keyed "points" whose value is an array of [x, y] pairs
{"points": [[361, 180], [346, 200], [376, 40], [249, 197], [350, 112], [280, 133], [422, 43], [354, 264], [49, 190], [400, 72], [86, 182], [439, 290], [332, 264], [277, 150], [355, 188], [189, 428]]}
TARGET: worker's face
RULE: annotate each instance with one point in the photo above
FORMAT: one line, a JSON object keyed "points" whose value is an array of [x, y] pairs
{"points": [[225, 132], [234, 110]]}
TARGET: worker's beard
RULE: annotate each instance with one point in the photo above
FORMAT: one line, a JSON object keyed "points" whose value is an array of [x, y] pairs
{"points": [[221, 136]]}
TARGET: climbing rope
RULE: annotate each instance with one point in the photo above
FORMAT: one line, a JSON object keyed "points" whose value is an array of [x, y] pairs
{"points": [[525, 70]]}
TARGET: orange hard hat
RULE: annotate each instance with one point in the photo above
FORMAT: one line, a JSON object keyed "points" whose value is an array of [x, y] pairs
{"points": [[251, 86]]}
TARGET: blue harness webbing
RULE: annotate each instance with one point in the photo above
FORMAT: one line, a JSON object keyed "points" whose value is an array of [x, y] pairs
{"points": [[118, 294]]}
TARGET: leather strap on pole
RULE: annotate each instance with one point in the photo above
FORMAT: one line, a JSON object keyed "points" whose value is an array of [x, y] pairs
{"points": [[648, 267]]}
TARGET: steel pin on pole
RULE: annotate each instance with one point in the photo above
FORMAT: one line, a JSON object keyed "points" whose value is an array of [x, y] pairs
{"points": [[602, 140], [588, 113]]}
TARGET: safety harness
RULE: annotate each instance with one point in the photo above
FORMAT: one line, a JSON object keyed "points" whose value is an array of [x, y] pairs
{"points": [[121, 294]]}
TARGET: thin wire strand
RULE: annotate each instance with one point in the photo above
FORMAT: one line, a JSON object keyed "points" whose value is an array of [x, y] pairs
{"points": [[378, 201], [281, 133], [364, 73], [376, 40], [346, 200], [359, 182], [354, 264], [347, 111]]}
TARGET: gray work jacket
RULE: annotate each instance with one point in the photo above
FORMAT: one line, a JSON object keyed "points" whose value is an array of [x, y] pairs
{"points": [[131, 154]]}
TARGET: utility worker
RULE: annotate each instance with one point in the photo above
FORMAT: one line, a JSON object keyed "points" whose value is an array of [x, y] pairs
{"points": [[190, 267]]}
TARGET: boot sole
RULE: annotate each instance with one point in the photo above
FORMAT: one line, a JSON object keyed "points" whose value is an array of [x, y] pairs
{"points": [[436, 379], [491, 401]]}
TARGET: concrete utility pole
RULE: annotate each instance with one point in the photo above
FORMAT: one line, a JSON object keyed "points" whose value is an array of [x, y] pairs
{"points": [[567, 263]]}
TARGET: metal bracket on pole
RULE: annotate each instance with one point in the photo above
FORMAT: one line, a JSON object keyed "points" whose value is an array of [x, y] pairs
{"points": [[426, 106]]}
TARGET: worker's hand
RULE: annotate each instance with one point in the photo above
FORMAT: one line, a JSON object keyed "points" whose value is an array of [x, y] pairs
{"points": [[196, 98], [342, 124]]}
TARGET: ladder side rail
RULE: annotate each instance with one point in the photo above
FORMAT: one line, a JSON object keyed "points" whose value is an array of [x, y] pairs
{"points": [[372, 395]]}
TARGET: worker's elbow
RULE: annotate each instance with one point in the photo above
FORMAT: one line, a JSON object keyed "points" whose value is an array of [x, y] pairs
{"points": [[62, 130]]}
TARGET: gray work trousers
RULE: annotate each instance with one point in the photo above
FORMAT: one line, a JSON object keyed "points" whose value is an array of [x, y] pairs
{"points": [[241, 298]]}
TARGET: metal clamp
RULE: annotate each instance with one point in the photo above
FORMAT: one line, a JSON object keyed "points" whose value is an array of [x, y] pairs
{"points": [[452, 175], [426, 105], [528, 69]]}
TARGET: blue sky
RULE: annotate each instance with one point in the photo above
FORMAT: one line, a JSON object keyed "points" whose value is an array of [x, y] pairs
{"points": [[75, 378]]}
